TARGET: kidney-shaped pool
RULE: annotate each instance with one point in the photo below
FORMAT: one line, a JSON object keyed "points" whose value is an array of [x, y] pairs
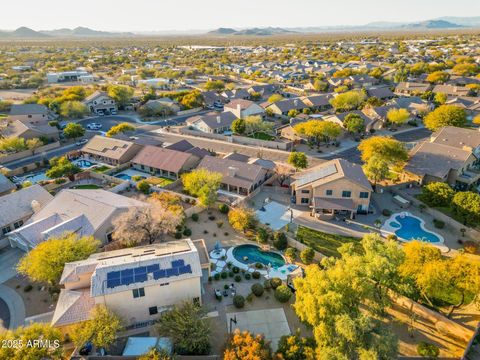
{"points": [[248, 254]]}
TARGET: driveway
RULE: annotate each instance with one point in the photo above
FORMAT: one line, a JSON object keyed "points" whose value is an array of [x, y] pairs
{"points": [[13, 310]]}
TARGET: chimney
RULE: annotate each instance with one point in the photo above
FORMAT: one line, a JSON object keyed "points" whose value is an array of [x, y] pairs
{"points": [[219, 119], [231, 171], [35, 205]]}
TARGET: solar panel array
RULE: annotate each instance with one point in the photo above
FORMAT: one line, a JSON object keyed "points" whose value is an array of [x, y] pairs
{"points": [[140, 273], [317, 174]]}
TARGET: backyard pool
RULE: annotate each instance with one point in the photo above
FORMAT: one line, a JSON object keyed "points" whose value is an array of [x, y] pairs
{"points": [[83, 164], [409, 227], [248, 254]]}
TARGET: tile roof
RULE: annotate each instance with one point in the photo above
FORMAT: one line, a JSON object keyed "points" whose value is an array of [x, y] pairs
{"points": [[73, 306], [107, 147], [161, 158], [28, 109], [5, 184]]}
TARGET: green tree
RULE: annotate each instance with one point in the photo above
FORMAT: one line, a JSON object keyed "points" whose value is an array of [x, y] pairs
{"points": [[45, 262], [28, 334], [376, 169], [385, 148], [466, 204], [203, 184], [73, 109], [61, 167], [238, 126], [437, 194], [440, 98], [101, 329], [12, 144], [73, 131], [144, 187], [349, 100], [33, 144], [155, 354], [298, 160], [245, 346], [121, 128], [296, 347], [445, 115], [398, 116], [307, 255], [121, 94], [241, 218], [192, 100], [354, 123], [187, 327], [275, 98], [215, 85]]}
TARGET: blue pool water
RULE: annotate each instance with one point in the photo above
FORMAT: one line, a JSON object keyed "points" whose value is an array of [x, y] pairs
{"points": [[248, 254], [83, 164], [123, 176], [411, 230]]}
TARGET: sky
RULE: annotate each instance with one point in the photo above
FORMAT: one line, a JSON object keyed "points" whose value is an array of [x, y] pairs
{"points": [[161, 15]]}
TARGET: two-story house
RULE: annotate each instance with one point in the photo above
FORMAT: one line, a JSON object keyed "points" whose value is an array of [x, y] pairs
{"points": [[334, 187], [100, 103]]}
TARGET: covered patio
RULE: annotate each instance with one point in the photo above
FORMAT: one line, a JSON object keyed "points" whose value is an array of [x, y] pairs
{"points": [[327, 208]]}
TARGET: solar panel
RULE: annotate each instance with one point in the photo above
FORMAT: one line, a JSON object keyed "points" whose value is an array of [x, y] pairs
{"points": [[317, 174], [152, 268], [172, 272], [110, 284], [140, 270], [140, 277], [113, 275], [127, 272], [185, 270], [127, 280], [159, 274], [178, 263]]}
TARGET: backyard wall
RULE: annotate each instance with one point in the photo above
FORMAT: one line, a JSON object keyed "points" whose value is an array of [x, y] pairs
{"points": [[27, 153], [300, 247]]}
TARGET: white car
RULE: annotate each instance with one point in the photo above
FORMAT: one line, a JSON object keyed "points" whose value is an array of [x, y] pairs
{"points": [[94, 126], [81, 142]]}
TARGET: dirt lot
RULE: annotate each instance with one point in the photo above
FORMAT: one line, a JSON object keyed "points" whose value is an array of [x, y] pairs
{"points": [[17, 96], [37, 300]]}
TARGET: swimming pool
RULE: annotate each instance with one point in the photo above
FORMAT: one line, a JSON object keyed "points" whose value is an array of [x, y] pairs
{"points": [[249, 254], [84, 164], [409, 227], [123, 176]]}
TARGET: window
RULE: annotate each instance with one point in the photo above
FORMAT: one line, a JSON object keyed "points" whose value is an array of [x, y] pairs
{"points": [[138, 293], [6, 230], [329, 192], [153, 310], [346, 194], [305, 200], [18, 224], [363, 195], [110, 237], [305, 191]]}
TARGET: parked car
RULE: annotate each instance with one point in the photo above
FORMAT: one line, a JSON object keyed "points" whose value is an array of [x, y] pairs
{"points": [[81, 142], [94, 126], [113, 112]]}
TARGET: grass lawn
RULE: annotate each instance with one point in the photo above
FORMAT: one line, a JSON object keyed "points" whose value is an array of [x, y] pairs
{"points": [[101, 169], [159, 181], [262, 136], [324, 243], [87, 187]]}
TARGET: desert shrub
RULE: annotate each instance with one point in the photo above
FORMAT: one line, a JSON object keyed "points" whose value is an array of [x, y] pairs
{"points": [[231, 274], [392, 237], [280, 241], [239, 301], [187, 232], [28, 288], [386, 212], [250, 297], [211, 217], [283, 293], [291, 253], [224, 275], [257, 289], [275, 282], [216, 276], [178, 235], [439, 224], [236, 269], [307, 255], [256, 275], [219, 224], [267, 285], [237, 278], [247, 276], [259, 265], [195, 217], [427, 350], [223, 208], [470, 247]]}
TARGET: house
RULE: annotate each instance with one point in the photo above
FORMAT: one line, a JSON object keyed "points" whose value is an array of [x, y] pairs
{"points": [[30, 130], [244, 108], [139, 283], [412, 88], [33, 114], [84, 212], [318, 102], [70, 76], [110, 150], [379, 113], [6, 186], [237, 176], [164, 162], [237, 94], [469, 103], [187, 147], [451, 155], [380, 92], [17, 207], [170, 106], [100, 103], [336, 186], [340, 118], [451, 90], [264, 90], [414, 104], [212, 123], [282, 107]]}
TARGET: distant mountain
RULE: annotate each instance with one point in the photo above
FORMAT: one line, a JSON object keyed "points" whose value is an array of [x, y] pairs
{"points": [[82, 32], [24, 33], [223, 31], [464, 21], [432, 24]]}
